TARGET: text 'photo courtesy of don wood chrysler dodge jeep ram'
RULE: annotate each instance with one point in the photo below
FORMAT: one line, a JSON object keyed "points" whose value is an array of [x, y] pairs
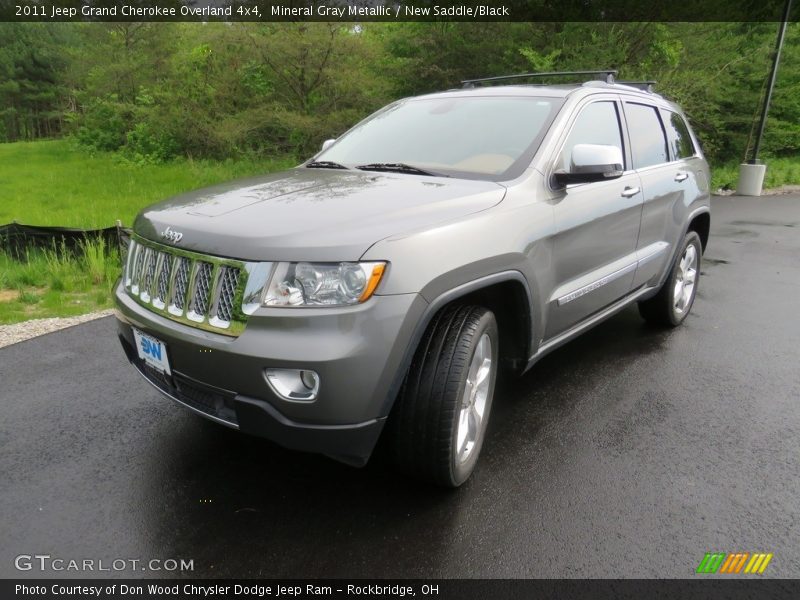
{"points": [[378, 288]]}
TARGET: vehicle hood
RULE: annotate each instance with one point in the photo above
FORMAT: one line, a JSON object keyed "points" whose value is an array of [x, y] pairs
{"points": [[312, 214]]}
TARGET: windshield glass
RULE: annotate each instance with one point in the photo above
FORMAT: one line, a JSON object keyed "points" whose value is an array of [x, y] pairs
{"points": [[483, 137]]}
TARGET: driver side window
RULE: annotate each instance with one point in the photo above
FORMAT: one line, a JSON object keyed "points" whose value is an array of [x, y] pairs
{"points": [[597, 123]]}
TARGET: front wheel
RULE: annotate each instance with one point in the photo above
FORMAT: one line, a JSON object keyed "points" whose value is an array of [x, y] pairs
{"points": [[675, 298], [439, 421]]}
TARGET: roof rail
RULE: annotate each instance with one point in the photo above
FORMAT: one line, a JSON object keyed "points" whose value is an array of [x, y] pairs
{"points": [[608, 76], [646, 86]]}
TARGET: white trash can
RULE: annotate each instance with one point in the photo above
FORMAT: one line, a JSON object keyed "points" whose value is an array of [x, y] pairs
{"points": [[751, 179]]}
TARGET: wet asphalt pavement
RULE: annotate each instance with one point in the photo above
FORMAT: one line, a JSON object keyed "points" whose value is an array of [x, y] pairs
{"points": [[630, 452]]}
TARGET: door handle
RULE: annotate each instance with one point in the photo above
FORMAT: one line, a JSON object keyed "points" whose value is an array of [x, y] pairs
{"points": [[681, 176], [629, 192]]}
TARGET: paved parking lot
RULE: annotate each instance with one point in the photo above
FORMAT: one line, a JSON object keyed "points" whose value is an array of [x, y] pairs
{"points": [[628, 453]]}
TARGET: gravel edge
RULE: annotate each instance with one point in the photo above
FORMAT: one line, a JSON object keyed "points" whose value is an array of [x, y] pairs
{"points": [[778, 191], [19, 332]]}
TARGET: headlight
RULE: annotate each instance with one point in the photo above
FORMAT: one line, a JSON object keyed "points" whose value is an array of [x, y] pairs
{"points": [[323, 284]]}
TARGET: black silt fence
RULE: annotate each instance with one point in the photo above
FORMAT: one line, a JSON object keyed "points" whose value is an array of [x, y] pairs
{"points": [[17, 239]]}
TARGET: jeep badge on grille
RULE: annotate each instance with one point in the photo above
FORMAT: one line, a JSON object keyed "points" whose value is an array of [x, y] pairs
{"points": [[171, 235]]}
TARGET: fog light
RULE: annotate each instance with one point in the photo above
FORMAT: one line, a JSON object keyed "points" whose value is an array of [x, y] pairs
{"points": [[295, 385], [310, 380]]}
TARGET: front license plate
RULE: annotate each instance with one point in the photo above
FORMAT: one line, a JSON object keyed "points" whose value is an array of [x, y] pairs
{"points": [[152, 351]]}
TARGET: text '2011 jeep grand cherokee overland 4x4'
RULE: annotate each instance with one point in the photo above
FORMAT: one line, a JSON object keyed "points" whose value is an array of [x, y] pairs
{"points": [[380, 285]]}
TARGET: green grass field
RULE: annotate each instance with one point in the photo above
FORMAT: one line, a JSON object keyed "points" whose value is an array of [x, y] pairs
{"points": [[57, 183]]}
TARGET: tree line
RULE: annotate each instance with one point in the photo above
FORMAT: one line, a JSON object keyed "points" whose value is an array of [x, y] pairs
{"points": [[160, 90]]}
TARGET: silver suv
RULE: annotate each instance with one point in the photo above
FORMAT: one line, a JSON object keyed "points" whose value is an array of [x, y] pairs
{"points": [[383, 284]]}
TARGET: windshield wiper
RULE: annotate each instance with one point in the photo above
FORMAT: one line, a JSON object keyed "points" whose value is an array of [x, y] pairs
{"points": [[398, 168], [325, 164]]}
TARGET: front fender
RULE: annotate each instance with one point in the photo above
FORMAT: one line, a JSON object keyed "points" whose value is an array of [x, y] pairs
{"points": [[452, 294]]}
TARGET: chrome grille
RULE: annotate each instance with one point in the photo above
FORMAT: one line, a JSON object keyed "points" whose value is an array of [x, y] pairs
{"points": [[196, 289], [202, 288], [137, 269], [148, 273], [180, 285], [162, 285], [228, 282]]}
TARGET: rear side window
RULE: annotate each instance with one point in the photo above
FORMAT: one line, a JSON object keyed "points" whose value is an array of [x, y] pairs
{"points": [[648, 144], [680, 142], [598, 123]]}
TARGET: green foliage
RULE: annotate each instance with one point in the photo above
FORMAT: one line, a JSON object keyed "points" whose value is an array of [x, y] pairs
{"points": [[56, 282], [104, 124], [32, 86], [156, 91], [716, 71], [27, 297], [541, 63], [780, 172], [58, 267], [145, 142], [95, 259]]}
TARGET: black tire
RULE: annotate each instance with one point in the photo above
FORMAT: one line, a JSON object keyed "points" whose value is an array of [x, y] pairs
{"points": [[662, 309], [424, 422]]}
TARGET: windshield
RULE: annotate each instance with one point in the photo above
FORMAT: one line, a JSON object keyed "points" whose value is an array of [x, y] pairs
{"points": [[481, 137]]}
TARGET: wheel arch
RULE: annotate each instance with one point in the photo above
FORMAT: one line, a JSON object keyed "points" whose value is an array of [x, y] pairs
{"points": [[701, 224], [507, 294], [698, 221]]}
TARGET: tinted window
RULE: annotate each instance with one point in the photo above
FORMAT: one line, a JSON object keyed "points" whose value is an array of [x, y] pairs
{"points": [[598, 123], [483, 136], [648, 144], [680, 142]]}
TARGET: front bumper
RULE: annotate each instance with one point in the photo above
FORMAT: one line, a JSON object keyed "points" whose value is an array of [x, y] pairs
{"points": [[360, 353]]}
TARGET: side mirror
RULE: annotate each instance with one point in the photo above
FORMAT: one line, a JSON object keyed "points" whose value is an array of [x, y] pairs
{"points": [[591, 162], [327, 144]]}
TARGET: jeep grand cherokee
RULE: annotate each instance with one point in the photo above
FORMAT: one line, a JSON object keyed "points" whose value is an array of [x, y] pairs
{"points": [[378, 287]]}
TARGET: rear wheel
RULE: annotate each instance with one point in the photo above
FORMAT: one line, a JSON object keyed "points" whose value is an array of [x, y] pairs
{"points": [[675, 298], [439, 421]]}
